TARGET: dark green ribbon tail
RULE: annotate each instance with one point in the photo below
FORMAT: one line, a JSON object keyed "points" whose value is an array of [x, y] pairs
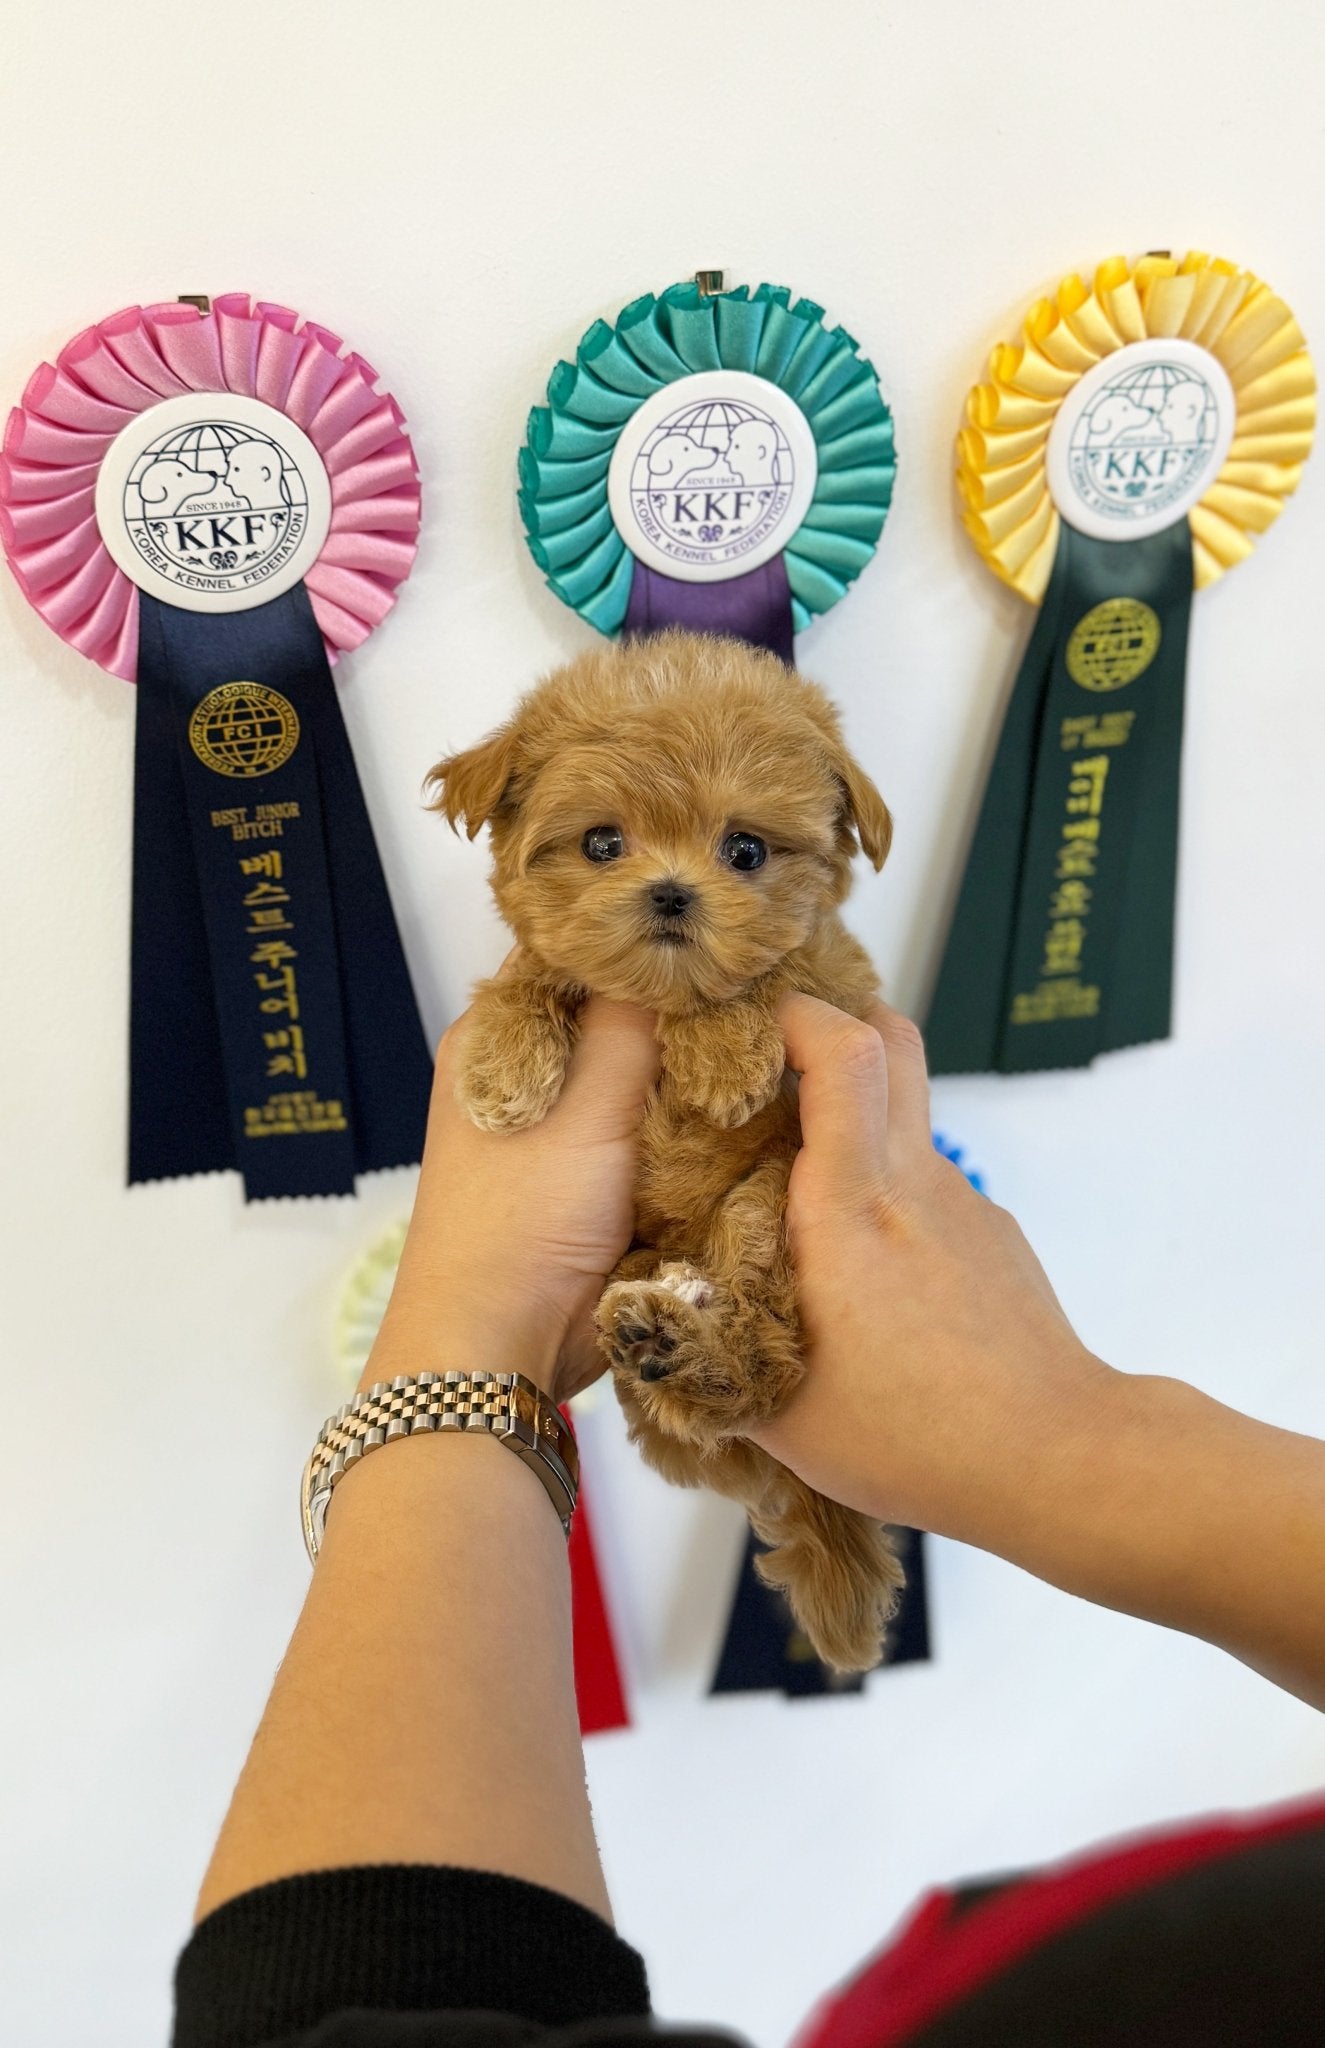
{"points": [[1061, 946]]}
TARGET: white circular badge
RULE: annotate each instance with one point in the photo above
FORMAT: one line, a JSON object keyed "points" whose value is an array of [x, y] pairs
{"points": [[1140, 438], [712, 476], [213, 502]]}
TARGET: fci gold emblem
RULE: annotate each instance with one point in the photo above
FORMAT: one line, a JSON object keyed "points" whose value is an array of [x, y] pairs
{"points": [[244, 729], [1113, 644]]}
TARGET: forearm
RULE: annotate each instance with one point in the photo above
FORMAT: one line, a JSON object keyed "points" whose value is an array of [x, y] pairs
{"points": [[425, 1711], [1142, 1494]]}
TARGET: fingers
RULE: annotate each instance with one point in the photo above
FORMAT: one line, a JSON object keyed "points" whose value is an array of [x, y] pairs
{"points": [[864, 1091], [910, 1131], [843, 1090], [613, 1066]]}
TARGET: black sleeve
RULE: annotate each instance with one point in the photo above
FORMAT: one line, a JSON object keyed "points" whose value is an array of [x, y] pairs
{"points": [[392, 1953]]}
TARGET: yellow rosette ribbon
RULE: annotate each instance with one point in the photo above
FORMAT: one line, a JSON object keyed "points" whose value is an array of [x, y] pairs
{"points": [[1126, 450]]}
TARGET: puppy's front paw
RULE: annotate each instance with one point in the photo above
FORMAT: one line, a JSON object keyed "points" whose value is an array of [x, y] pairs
{"points": [[729, 1068], [664, 1340], [510, 1077]]}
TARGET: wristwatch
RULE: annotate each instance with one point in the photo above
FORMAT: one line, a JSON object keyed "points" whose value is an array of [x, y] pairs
{"points": [[504, 1404]]}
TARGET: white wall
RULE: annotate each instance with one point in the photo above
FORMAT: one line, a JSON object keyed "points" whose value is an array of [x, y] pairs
{"points": [[460, 191]]}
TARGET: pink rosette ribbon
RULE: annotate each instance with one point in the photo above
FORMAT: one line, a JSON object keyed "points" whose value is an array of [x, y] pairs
{"points": [[214, 505], [72, 409]]}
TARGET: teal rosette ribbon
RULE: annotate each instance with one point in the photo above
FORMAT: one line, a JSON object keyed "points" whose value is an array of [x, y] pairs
{"points": [[791, 466]]}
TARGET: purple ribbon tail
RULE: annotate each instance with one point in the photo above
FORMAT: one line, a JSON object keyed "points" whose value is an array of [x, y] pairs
{"points": [[754, 607]]}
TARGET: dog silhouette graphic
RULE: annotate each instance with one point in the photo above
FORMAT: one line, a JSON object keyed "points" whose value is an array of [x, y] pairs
{"points": [[675, 456], [166, 484], [1118, 419]]}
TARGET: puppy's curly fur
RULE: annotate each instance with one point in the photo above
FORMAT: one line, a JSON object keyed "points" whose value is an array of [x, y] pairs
{"points": [[677, 742]]}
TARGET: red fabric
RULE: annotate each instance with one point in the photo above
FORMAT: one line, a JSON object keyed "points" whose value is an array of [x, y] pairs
{"points": [[940, 1959], [598, 1688]]}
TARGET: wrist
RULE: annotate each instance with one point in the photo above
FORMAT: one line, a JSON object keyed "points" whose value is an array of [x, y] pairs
{"points": [[1091, 1497], [1019, 1485], [460, 1335], [430, 1497], [413, 1408]]}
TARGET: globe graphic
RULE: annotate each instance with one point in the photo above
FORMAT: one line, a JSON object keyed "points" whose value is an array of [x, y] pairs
{"points": [[1113, 644], [204, 448], [244, 730], [711, 423]]}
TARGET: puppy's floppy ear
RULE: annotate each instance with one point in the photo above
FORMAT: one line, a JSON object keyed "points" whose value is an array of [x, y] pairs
{"points": [[865, 808], [472, 785]]}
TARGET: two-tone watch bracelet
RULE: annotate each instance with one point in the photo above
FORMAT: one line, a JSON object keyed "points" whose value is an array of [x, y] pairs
{"points": [[504, 1404]]}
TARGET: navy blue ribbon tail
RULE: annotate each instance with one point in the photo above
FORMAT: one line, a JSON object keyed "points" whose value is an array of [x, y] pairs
{"points": [[273, 1024]]}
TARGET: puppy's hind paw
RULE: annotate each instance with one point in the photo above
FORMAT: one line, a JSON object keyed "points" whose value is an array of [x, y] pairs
{"points": [[652, 1327], [661, 1336]]}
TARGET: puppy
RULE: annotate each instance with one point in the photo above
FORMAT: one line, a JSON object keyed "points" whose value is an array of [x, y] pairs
{"points": [[673, 822]]}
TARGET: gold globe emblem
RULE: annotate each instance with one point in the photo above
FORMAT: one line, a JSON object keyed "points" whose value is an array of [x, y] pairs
{"points": [[1113, 644], [244, 729]]}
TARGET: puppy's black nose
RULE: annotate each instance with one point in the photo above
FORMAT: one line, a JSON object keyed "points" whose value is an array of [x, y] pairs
{"points": [[671, 899]]}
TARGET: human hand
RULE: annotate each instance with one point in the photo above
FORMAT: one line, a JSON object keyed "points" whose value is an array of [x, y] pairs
{"points": [[514, 1232], [937, 1349]]}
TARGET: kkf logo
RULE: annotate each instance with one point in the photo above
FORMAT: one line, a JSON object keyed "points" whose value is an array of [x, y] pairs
{"points": [[215, 506], [712, 482], [1144, 441]]}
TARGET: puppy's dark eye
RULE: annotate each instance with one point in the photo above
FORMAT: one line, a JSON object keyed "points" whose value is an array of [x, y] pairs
{"points": [[742, 851], [602, 842]]}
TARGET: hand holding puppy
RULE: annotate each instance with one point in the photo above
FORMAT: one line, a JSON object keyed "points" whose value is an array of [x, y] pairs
{"points": [[940, 1361], [513, 1235], [946, 1388]]}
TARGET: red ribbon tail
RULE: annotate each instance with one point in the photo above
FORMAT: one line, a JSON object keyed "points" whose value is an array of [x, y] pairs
{"points": [[598, 1687]]}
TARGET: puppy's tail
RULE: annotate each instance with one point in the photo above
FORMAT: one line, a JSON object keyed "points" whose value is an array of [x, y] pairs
{"points": [[837, 1568]]}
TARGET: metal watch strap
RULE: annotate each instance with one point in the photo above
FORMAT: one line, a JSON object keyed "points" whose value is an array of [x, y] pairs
{"points": [[503, 1404]]}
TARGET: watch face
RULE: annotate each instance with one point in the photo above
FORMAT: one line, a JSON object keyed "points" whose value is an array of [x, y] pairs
{"points": [[523, 1405]]}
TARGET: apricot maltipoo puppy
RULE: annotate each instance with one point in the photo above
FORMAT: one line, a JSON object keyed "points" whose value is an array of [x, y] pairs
{"points": [[673, 822]]}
